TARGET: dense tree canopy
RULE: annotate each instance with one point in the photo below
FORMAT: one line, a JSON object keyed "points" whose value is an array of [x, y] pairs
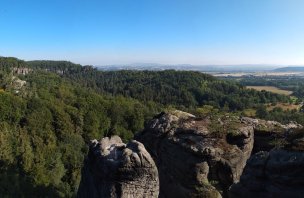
{"points": [[45, 126], [179, 88]]}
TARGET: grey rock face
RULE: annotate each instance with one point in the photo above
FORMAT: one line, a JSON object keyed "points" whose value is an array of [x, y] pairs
{"points": [[270, 134], [197, 157], [278, 173], [117, 170]]}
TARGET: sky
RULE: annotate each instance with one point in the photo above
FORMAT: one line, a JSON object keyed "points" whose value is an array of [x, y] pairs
{"points": [[199, 32]]}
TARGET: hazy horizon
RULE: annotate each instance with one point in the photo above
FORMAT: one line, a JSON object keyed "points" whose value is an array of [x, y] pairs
{"points": [[192, 32], [163, 64]]}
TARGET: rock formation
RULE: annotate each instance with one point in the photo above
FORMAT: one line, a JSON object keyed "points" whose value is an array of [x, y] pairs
{"points": [[197, 157], [114, 169], [270, 134], [278, 173]]}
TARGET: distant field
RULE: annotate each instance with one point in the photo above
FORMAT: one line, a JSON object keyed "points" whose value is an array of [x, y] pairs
{"points": [[284, 106], [270, 89], [243, 74]]}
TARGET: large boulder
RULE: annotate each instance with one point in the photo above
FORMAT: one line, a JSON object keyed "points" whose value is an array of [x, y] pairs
{"points": [[114, 169], [197, 157], [278, 173]]}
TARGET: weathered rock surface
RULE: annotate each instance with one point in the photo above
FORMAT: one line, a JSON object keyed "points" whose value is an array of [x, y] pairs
{"points": [[270, 134], [278, 173], [114, 169], [197, 157]]}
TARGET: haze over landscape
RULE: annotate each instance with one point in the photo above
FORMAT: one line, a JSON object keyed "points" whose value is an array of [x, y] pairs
{"points": [[166, 32]]}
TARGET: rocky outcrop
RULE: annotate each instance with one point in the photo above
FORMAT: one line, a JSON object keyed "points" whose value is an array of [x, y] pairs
{"points": [[278, 173], [114, 169], [197, 157], [22, 70], [270, 134]]}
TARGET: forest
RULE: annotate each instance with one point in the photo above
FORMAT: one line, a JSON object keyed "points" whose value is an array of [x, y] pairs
{"points": [[182, 89], [49, 115]]}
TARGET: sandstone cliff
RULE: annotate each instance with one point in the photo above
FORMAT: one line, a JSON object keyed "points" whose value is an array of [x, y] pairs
{"points": [[117, 170], [278, 173], [197, 157], [270, 134]]}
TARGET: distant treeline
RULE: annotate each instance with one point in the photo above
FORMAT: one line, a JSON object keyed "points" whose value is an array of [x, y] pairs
{"points": [[178, 88], [294, 83]]}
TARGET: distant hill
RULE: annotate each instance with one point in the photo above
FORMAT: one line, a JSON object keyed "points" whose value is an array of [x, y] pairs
{"points": [[188, 67], [290, 69]]}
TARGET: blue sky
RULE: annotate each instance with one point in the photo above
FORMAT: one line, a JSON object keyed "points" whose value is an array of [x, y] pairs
{"points": [[197, 32]]}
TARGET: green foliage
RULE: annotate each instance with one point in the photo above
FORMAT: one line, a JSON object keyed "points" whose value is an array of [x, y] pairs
{"points": [[183, 89], [206, 110], [261, 112], [6, 147], [44, 131], [285, 117], [11, 108], [295, 84]]}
